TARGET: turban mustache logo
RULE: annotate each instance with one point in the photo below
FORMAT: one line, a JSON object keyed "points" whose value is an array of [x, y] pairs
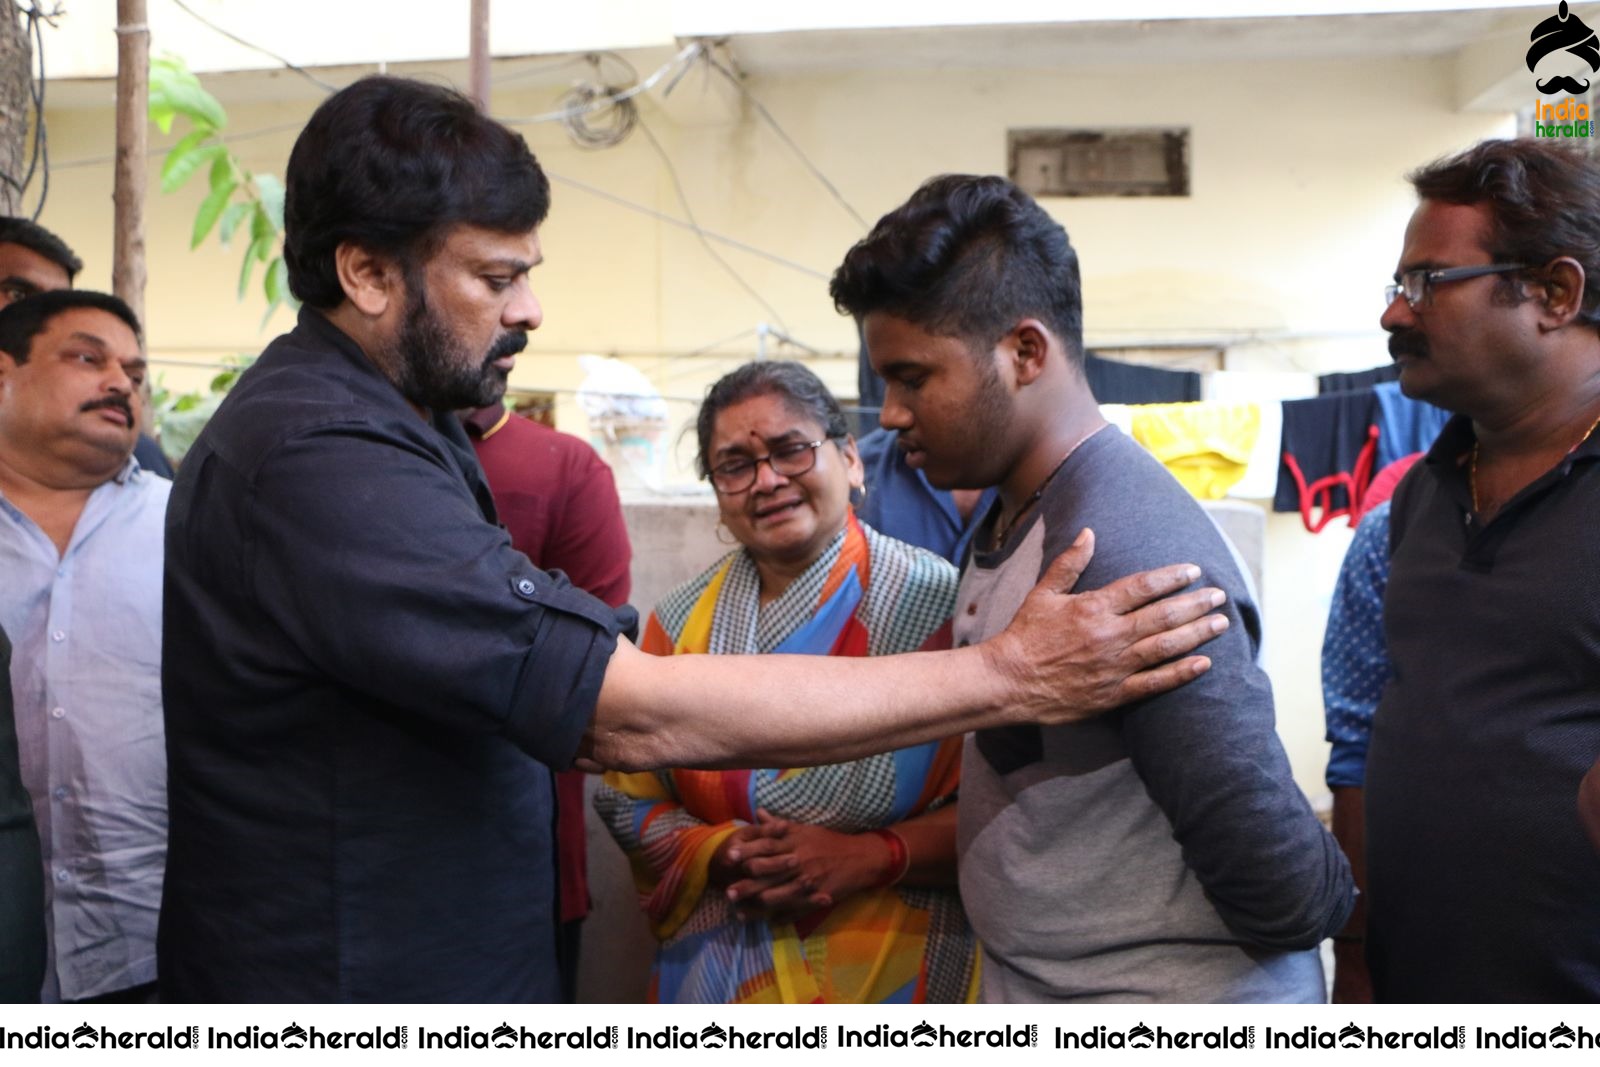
{"points": [[1566, 32]]}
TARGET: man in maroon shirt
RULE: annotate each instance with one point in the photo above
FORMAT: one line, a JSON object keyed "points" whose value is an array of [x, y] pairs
{"points": [[559, 502]]}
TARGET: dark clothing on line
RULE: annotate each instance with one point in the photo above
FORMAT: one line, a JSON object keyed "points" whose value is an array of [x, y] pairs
{"points": [[1356, 381], [1331, 440], [1132, 383], [1405, 426], [21, 871], [1482, 882], [360, 677]]}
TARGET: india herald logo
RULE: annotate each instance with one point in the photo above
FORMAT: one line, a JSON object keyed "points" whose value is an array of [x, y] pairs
{"points": [[1565, 33]]}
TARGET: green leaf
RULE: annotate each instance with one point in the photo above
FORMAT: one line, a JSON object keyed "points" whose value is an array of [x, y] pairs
{"points": [[250, 256], [162, 116], [178, 156], [224, 171], [166, 69], [232, 217], [261, 227], [187, 98], [180, 166], [272, 282], [270, 190], [210, 209]]}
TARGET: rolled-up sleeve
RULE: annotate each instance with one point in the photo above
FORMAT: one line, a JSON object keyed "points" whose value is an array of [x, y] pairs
{"points": [[375, 560]]}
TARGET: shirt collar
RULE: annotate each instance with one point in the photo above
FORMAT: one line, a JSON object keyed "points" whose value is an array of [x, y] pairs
{"points": [[485, 422], [322, 329], [129, 469]]}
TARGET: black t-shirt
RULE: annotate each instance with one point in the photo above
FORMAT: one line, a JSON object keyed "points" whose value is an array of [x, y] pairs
{"points": [[360, 677], [21, 876], [1483, 886]]}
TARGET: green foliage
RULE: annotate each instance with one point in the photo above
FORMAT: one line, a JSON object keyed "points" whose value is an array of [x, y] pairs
{"points": [[180, 417], [237, 196]]}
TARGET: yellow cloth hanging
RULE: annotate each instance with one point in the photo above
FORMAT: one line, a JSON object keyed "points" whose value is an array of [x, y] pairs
{"points": [[1205, 445]]}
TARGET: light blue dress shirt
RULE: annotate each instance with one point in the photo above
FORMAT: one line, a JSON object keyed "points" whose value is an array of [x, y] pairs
{"points": [[86, 676]]}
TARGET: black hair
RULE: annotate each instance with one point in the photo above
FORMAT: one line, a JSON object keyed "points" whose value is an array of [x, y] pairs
{"points": [[35, 238], [392, 164], [22, 321], [968, 257], [792, 382], [1543, 200]]}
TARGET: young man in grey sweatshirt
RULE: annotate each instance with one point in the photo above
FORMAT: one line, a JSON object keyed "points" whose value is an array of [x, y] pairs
{"points": [[1163, 852]]}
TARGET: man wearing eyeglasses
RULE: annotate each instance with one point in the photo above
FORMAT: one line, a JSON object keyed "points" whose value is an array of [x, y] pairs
{"points": [[1482, 883]]}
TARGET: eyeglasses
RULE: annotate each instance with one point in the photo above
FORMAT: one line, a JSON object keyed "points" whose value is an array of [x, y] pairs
{"points": [[1417, 285], [790, 461]]}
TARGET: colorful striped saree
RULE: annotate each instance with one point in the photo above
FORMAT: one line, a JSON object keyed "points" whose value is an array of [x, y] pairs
{"points": [[867, 595]]}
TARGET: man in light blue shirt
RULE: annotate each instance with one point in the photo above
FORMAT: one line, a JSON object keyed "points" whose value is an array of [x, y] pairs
{"points": [[81, 529]]}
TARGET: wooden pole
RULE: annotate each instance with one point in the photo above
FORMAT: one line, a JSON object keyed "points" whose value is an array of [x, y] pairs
{"points": [[133, 143], [478, 55]]}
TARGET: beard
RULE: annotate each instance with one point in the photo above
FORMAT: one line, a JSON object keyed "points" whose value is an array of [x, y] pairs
{"points": [[434, 367]]}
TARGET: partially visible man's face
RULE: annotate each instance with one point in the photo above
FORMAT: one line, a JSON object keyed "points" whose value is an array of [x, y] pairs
{"points": [[71, 404], [1462, 345], [25, 273], [468, 312], [947, 402]]}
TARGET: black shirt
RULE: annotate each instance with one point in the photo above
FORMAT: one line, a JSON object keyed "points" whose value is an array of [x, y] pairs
{"points": [[360, 674], [21, 872], [1483, 886]]}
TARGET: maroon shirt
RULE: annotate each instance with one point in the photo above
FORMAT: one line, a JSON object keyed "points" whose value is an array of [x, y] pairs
{"points": [[559, 502]]}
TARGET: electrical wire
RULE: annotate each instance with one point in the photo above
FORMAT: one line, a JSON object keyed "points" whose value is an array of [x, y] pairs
{"points": [[685, 56], [36, 92], [100, 161], [306, 74], [737, 83], [711, 235], [688, 212], [616, 117], [41, 130]]}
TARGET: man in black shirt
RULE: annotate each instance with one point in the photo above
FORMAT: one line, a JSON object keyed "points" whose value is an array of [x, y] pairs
{"points": [[1482, 882], [359, 667], [21, 873]]}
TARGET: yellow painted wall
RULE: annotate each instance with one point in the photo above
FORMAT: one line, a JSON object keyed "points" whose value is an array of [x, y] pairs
{"points": [[1294, 223]]}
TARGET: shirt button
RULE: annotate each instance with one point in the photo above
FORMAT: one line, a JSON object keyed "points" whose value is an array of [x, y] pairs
{"points": [[60, 792], [972, 608], [56, 713], [62, 876], [59, 635], [525, 587]]}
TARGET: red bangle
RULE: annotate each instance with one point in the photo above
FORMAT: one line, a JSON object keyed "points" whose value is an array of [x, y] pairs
{"points": [[899, 858]]}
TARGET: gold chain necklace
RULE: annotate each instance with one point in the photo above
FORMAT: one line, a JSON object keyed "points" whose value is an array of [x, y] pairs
{"points": [[1472, 467], [1011, 523]]}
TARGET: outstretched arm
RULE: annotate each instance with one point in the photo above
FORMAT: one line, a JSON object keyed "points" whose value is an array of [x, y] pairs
{"points": [[1064, 657]]}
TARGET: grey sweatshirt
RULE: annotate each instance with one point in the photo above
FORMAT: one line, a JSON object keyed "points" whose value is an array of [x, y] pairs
{"points": [[1162, 852]]}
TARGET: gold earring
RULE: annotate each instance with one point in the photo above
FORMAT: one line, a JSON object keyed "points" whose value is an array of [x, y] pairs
{"points": [[721, 529]]}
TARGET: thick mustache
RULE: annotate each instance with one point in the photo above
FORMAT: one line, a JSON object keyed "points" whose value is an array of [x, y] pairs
{"points": [[1563, 84], [1407, 343], [118, 402], [508, 344]]}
